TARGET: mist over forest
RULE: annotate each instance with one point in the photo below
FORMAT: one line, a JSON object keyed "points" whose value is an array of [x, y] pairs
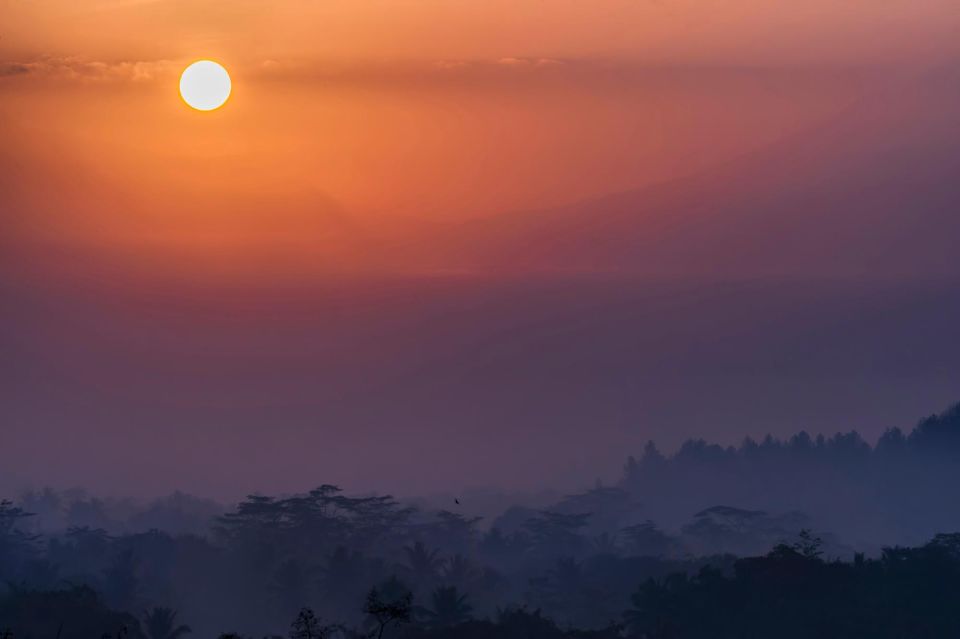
{"points": [[599, 561]]}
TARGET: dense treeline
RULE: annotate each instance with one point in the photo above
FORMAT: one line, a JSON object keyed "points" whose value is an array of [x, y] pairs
{"points": [[895, 491], [601, 561], [269, 557], [791, 592]]}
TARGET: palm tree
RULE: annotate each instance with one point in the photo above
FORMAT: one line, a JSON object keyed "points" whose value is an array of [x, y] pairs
{"points": [[160, 624], [449, 607], [424, 563], [606, 544], [459, 571]]}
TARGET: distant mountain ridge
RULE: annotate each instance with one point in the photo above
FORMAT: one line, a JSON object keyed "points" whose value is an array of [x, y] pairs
{"points": [[841, 200]]}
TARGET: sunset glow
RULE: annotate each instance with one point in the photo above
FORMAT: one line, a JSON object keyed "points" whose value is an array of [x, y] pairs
{"points": [[218, 215]]}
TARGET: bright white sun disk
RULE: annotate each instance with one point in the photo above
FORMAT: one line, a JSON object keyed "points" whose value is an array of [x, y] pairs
{"points": [[205, 85]]}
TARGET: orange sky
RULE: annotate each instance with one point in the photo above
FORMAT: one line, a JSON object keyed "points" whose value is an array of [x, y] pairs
{"points": [[724, 31], [354, 120]]}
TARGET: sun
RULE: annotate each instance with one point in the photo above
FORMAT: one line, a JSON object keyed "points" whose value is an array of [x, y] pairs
{"points": [[205, 85]]}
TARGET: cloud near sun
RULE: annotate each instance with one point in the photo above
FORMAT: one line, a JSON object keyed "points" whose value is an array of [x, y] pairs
{"points": [[143, 40], [84, 70], [79, 69]]}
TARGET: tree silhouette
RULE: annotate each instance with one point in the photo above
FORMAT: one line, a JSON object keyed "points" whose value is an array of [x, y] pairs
{"points": [[308, 626], [558, 533], [160, 623], [16, 545], [808, 545], [425, 564], [647, 539], [386, 612], [605, 544], [121, 585], [449, 607], [72, 613], [459, 571]]}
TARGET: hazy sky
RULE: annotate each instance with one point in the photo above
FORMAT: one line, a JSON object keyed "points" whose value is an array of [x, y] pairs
{"points": [[703, 31], [467, 242]]}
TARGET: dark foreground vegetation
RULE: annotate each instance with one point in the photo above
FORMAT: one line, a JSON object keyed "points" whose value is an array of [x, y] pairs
{"points": [[790, 592], [593, 564]]}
